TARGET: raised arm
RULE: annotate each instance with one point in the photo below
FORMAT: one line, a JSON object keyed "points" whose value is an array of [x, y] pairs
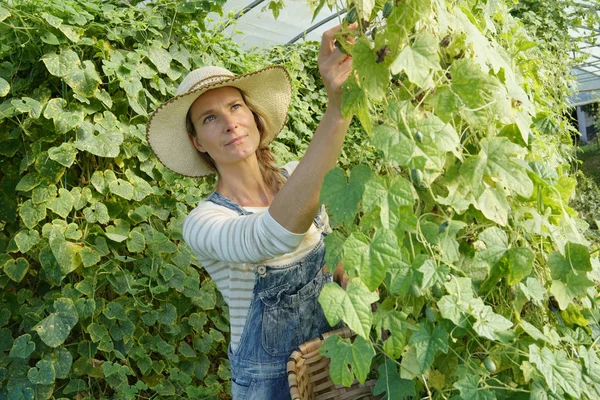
{"points": [[297, 202]]}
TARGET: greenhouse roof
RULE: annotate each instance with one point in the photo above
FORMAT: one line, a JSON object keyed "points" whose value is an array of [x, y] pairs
{"points": [[251, 23]]}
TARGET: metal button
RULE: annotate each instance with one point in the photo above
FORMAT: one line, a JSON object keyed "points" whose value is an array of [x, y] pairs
{"points": [[262, 270]]}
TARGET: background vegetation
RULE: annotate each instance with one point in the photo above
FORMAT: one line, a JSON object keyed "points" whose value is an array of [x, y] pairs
{"points": [[100, 298]]}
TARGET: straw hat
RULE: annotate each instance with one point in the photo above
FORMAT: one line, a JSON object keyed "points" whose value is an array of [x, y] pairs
{"points": [[269, 90]]}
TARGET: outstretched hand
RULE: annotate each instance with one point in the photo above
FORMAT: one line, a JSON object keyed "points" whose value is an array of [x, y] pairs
{"points": [[334, 65]]}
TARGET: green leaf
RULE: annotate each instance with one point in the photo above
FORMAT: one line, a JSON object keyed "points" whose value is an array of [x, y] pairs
{"points": [[349, 360], [441, 133], [63, 204], [390, 383], [355, 254], [160, 57], [494, 205], [364, 8], [25, 240], [373, 76], [395, 146], [16, 269], [394, 324], [520, 262], [496, 243], [121, 188], [4, 87], [29, 182], [65, 117], [557, 370], [388, 193], [533, 290], [4, 13], [104, 144], [74, 386], [55, 328], [427, 341], [42, 373], [383, 252], [576, 259], [352, 305], [115, 310], [570, 287], [342, 197], [118, 232], [489, 323], [419, 61], [355, 102], [63, 154], [28, 105], [136, 243], [470, 390], [98, 332], [22, 347], [502, 164], [97, 212], [65, 252], [479, 91]]}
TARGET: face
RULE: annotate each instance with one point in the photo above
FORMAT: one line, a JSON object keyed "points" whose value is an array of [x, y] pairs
{"points": [[225, 126]]}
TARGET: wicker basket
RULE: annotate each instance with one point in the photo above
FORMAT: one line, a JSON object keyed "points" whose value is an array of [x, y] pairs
{"points": [[308, 374]]}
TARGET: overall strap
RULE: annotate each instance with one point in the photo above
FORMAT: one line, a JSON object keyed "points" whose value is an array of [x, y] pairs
{"points": [[221, 200]]}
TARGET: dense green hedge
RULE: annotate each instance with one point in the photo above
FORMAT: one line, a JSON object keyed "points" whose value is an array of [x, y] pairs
{"points": [[99, 296]]}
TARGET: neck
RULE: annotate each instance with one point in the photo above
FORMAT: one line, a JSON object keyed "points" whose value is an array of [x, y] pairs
{"points": [[244, 184]]}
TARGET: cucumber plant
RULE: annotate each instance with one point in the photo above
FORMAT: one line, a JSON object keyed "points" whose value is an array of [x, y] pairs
{"points": [[463, 229]]}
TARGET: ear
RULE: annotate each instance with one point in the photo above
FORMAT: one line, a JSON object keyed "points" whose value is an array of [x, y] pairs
{"points": [[197, 144]]}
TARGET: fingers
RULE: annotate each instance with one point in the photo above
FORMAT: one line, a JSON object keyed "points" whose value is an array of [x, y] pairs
{"points": [[327, 41]]}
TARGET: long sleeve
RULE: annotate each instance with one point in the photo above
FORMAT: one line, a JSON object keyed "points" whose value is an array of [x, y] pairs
{"points": [[218, 234]]}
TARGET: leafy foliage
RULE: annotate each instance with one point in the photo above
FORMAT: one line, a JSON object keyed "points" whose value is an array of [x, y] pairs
{"points": [[485, 276], [99, 296]]}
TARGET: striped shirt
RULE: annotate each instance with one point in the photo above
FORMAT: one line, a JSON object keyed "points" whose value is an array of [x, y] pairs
{"points": [[229, 246]]}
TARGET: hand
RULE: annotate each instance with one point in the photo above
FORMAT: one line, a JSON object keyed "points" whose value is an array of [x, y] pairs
{"points": [[334, 66]]}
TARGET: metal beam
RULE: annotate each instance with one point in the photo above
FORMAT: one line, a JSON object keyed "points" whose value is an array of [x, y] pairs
{"points": [[315, 26], [240, 13]]}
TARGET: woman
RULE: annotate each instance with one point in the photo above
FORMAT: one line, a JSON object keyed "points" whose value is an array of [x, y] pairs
{"points": [[260, 240]]}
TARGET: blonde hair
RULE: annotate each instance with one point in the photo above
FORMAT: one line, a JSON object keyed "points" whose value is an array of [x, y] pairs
{"points": [[266, 159]]}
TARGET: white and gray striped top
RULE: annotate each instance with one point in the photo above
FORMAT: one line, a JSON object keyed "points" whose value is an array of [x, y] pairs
{"points": [[229, 246]]}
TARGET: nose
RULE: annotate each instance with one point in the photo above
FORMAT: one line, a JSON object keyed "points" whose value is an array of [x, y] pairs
{"points": [[229, 123]]}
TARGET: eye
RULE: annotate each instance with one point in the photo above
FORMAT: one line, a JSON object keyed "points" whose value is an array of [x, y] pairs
{"points": [[209, 119], [236, 106]]}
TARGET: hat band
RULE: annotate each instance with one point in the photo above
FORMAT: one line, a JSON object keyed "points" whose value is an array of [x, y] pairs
{"points": [[208, 81]]}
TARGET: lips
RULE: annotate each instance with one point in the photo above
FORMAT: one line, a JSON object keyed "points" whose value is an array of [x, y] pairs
{"points": [[235, 140]]}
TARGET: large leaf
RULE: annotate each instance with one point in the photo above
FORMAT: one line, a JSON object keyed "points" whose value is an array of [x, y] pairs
{"points": [[470, 390], [557, 370], [352, 305], [419, 60], [55, 328], [98, 141], [16, 269], [427, 341], [395, 328], [4, 87], [349, 360], [390, 383], [388, 194], [373, 76], [395, 146], [22, 347], [342, 197], [502, 163]]}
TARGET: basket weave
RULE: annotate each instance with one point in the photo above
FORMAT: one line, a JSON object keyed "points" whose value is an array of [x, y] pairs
{"points": [[308, 374]]}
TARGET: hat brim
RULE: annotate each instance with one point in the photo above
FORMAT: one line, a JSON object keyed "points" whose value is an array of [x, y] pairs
{"points": [[270, 88]]}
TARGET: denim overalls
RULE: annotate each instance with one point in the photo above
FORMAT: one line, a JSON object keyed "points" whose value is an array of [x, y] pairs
{"points": [[283, 314]]}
